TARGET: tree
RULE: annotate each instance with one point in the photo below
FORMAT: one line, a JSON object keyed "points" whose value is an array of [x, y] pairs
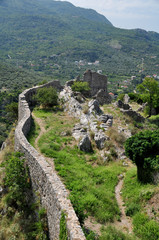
{"points": [[149, 90], [47, 97], [143, 150], [81, 87], [12, 111]]}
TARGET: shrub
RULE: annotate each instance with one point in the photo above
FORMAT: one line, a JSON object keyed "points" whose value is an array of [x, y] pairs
{"points": [[81, 87], [143, 149], [47, 97], [121, 96], [132, 209]]}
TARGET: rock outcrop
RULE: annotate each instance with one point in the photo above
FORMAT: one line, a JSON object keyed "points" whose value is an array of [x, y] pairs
{"points": [[85, 144], [126, 109]]}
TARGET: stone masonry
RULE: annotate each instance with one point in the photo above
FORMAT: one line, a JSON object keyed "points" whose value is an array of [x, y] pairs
{"points": [[54, 196], [96, 81]]}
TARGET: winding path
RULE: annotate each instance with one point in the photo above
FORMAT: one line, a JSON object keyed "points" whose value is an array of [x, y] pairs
{"points": [[126, 222]]}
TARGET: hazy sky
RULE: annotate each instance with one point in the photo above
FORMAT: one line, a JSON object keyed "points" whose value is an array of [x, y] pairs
{"points": [[126, 13]]}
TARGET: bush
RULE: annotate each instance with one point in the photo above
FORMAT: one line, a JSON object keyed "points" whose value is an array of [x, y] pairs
{"points": [[81, 87], [135, 97], [132, 209], [143, 149], [47, 97]]}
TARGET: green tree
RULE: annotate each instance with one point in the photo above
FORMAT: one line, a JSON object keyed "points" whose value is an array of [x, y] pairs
{"points": [[149, 90], [47, 97], [143, 150], [81, 87], [12, 111]]}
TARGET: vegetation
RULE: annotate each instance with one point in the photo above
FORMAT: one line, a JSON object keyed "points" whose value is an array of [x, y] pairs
{"points": [[63, 229], [20, 218], [142, 149], [47, 97], [12, 82], [92, 191], [149, 90], [136, 196], [55, 44], [81, 87]]}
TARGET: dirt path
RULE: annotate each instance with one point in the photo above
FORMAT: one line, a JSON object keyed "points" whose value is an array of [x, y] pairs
{"points": [[42, 131], [126, 222]]}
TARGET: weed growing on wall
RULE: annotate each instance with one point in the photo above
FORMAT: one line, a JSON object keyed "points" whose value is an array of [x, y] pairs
{"points": [[63, 229]]}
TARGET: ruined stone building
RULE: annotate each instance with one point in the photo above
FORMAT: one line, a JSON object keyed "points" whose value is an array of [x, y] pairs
{"points": [[96, 82], [98, 86]]}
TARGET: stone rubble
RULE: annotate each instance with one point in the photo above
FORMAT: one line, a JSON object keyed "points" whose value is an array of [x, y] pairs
{"points": [[91, 118]]}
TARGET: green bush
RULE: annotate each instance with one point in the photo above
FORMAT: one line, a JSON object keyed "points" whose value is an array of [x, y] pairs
{"points": [[135, 97], [81, 87], [143, 150], [47, 97], [132, 209], [121, 96]]}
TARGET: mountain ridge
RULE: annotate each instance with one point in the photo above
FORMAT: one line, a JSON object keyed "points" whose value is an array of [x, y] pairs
{"points": [[31, 33]]}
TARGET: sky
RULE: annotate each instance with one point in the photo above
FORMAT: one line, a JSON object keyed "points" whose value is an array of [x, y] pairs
{"points": [[127, 14]]}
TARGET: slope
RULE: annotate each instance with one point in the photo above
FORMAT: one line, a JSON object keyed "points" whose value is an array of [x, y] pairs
{"points": [[52, 37]]}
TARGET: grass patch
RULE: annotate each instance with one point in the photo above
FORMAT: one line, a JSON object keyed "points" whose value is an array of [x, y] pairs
{"points": [[92, 189], [136, 196], [145, 228], [34, 132], [135, 192], [111, 233]]}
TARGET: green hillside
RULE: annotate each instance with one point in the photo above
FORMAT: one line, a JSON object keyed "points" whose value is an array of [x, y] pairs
{"points": [[52, 37]]}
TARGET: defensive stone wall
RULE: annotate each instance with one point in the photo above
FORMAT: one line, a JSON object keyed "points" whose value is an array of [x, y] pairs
{"points": [[54, 196]]}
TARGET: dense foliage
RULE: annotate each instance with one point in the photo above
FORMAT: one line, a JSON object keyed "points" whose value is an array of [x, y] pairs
{"points": [[47, 97], [53, 37], [26, 219], [149, 90], [143, 150], [81, 87]]}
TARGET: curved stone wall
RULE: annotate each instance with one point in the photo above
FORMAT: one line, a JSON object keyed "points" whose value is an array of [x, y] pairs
{"points": [[52, 191]]}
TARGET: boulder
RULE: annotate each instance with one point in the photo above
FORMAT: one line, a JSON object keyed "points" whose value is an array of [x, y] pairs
{"points": [[100, 139], [3, 146], [85, 144], [126, 99], [103, 97], [94, 107], [136, 116], [122, 105], [79, 131], [79, 97]]}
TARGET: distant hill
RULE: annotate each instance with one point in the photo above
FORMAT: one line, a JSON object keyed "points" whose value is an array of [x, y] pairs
{"points": [[62, 40]]}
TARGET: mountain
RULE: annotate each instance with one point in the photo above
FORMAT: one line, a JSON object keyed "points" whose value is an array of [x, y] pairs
{"points": [[62, 41]]}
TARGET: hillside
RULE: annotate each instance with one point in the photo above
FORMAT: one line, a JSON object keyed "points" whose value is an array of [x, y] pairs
{"points": [[62, 40], [107, 197]]}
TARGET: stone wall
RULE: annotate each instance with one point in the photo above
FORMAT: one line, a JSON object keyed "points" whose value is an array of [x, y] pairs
{"points": [[54, 196]]}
